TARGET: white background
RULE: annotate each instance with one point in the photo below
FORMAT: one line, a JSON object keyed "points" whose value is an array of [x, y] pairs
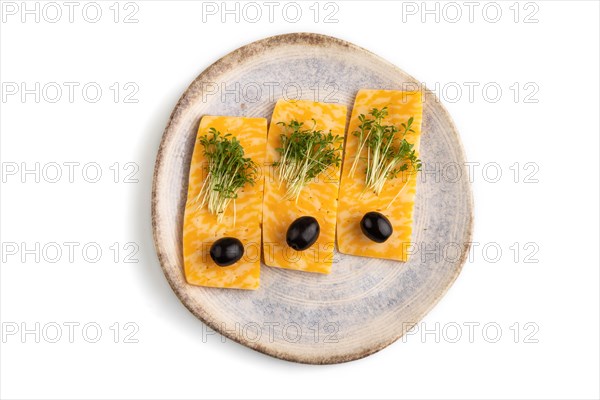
{"points": [[552, 123]]}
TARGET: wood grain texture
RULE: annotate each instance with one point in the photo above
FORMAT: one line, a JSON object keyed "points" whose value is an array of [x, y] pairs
{"points": [[364, 304]]}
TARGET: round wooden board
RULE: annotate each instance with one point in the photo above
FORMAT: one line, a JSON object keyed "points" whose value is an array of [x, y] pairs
{"points": [[364, 304]]}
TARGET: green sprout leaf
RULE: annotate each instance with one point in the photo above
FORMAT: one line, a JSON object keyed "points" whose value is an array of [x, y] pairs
{"points": [[305, 153], [388, 154], [228, 171]]}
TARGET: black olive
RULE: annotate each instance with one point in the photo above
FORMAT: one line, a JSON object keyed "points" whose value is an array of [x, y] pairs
{"points": [[303, 233], [376, 227], [226, 251]]}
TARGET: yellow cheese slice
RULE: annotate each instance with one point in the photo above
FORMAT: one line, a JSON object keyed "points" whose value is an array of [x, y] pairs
{"points": [[201, 229], [317, 199], [355, 202]]}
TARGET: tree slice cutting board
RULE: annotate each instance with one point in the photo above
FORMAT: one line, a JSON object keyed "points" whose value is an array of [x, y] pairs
{"points": [[365, 304]]}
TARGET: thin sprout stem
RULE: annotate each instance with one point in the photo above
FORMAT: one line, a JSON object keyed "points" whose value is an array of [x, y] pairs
{"points": [[398, 194], [384, 159]]}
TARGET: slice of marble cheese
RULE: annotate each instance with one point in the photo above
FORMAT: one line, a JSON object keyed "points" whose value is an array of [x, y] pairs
{"points": [[201, 229], [317, 199], [355, 202]]}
